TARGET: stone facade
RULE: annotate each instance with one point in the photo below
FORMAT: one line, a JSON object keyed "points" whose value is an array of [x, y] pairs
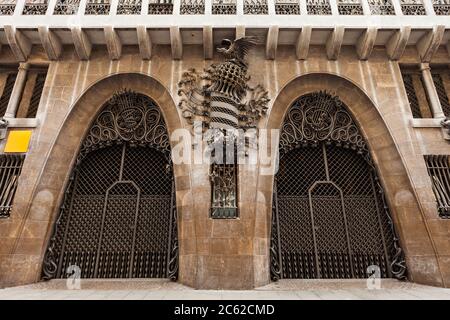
{"points": [[229, 254]]}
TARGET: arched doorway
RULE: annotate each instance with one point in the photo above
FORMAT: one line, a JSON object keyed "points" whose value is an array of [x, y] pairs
{"points": [[330, 218], [118, 217]]}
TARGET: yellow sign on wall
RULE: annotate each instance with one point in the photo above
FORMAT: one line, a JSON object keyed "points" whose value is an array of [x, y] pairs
{"points": [[18, 141]]}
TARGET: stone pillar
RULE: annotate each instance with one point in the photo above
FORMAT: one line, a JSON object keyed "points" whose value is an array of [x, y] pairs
{"points": [[17, 91], [435, 104]]}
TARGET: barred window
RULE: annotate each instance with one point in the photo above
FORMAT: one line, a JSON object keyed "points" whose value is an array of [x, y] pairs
{"points": [[32, 93], [7, 78], [441, 79], [224, 182], [415, 90], [10, 168], [439, 171]]}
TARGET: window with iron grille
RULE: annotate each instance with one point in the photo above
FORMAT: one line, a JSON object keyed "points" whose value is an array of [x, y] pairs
{"points": [[224, 182], [9, 78], [439, 171], [10, 168], [32, 93], [438, 79], [415, 90]]}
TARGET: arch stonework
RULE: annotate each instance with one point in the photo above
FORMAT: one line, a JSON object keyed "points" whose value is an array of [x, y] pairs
{"points": [[406, 211], [219, 254], [50, 186]]}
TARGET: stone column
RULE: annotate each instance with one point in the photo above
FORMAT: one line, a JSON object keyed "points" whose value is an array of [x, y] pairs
{"points": [[435, 104], [16, 94]]}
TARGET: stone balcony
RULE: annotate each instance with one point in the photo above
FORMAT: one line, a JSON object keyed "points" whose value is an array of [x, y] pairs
{"points": [[54, 24]]}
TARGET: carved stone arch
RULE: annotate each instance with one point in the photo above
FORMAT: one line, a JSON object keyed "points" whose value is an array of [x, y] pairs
{"points": [[118, 216], [386, 157], [60, 155], [320, 120]]}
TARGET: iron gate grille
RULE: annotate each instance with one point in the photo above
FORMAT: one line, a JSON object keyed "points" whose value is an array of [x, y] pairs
{"points": [[118, 218], [329, 217]]}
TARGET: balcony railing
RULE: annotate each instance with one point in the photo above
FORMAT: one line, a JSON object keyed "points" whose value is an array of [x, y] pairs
{"points": [[7, 7], [256, 7], [318, 7], [287, 7], [35, 7], [66, 7], [413, 7], [160, 7], [381, 7], [224, 7], [129, 7], [441, 7], [350, 7], [98, 7], [192, 7]]}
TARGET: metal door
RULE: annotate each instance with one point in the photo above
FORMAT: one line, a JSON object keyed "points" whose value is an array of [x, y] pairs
{"points": [[118, 218], [329, 219]]}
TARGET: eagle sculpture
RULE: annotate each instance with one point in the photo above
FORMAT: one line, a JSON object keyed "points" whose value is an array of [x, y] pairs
{"points": [[237, 49]]}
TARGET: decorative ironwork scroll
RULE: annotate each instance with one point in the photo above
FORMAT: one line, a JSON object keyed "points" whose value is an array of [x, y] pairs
{"points": [[98, 7], [221, 99], [66, 7], [203, 93], [350, 7], [224, 7], [118, 216], [35, 7], [330, 218], [287, 7]]}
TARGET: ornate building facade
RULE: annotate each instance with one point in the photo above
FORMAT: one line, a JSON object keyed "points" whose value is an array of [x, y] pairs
{"points": [[96, 95]]}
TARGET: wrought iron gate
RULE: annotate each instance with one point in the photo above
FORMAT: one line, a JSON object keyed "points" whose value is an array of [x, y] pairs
{"points": [[118, 218], [330, 218]]}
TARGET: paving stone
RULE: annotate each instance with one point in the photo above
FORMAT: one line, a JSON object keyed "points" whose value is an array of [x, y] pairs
{"points": [[151, 289]]}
